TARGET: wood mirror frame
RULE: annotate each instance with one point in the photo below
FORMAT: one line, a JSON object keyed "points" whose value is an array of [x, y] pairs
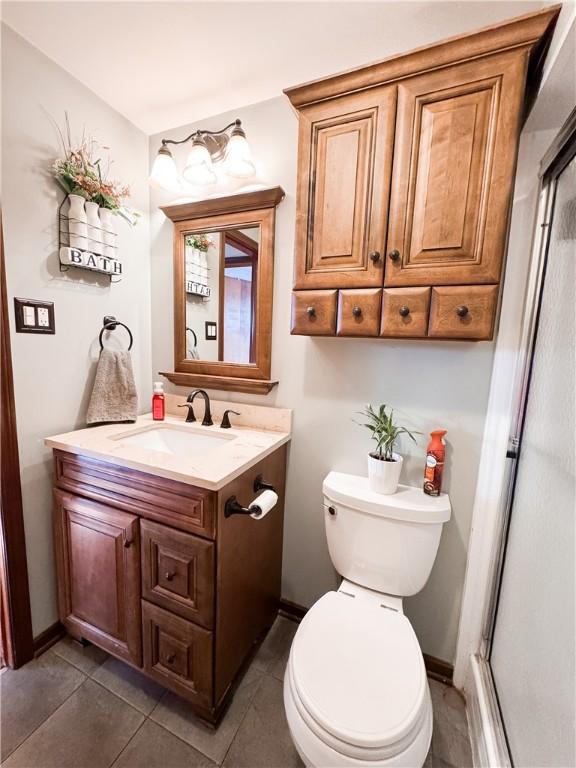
{"points": [[241, 210]]}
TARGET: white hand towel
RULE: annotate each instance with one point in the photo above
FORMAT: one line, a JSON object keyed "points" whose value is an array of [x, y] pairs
{"points": [[114, 397]]}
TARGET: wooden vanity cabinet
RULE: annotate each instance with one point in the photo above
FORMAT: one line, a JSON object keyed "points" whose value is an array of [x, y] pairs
{"points": [[151, 570], [405, 178]]}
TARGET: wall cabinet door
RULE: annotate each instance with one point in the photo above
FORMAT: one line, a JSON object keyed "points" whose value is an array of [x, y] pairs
{"points": [[98, 562], [454, 161], [344, 167]]}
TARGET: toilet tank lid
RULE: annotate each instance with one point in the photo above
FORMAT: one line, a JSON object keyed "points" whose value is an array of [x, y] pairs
{"points": [[408, 503]]}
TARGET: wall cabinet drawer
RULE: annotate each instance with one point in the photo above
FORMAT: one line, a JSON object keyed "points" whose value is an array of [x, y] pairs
{"points": [[178, 572], [463, 312], [314, 313], [359, 312], [178, 654], [405, 312]]}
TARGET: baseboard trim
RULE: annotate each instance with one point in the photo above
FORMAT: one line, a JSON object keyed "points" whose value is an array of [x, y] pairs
{"points": [[48, 638], [437, 669]]}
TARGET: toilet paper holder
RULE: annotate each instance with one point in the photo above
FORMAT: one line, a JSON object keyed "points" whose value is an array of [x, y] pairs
{"points": [[233, 506]]}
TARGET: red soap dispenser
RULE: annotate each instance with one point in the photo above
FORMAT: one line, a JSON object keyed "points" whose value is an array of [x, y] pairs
{"points": [[158, 404], [435, 453]]}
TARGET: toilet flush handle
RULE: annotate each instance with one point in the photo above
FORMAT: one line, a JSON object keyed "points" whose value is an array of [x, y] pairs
{"points": [[332, 511]]}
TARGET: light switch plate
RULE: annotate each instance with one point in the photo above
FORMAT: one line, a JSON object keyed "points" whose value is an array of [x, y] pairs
{"points": [[34, 316], [210, 330]]}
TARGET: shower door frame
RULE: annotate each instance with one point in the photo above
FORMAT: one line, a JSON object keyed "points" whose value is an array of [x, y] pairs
{"points": [[496, 480]]}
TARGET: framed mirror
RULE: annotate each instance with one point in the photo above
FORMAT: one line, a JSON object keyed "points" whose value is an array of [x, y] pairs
{"points": [[223, 287]]}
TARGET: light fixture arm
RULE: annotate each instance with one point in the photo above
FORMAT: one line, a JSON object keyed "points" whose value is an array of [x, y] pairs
{"points": [[200, 133]]}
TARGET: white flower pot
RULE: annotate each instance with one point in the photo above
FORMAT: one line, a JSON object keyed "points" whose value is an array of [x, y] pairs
{"points": [[108, 235], [384, 476], [77, 226], [94, 228]]}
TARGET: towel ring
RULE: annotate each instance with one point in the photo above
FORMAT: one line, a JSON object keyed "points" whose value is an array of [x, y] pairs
{"points": [[110, 324], [193, 334]]}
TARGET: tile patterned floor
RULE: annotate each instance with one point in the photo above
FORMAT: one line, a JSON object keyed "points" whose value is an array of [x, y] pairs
{"points": [[78, 707]]}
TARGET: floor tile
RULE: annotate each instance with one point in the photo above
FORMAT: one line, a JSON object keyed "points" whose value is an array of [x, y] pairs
{"points": [[273, 653], [131, 685], [155, 747], [87, 658], [263, 739], [31, 694], [88, 731], [450, 740], [177, 716]]}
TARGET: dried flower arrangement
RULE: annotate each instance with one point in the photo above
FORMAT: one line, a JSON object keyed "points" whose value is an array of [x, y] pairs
{"points": [[79, 173], [200, 242]]}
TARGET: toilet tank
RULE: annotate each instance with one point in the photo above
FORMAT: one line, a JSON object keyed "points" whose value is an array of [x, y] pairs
{"points": [[385, 543]]}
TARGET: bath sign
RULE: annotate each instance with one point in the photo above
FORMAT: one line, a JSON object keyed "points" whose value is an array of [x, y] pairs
{"points": [[73, 257]]}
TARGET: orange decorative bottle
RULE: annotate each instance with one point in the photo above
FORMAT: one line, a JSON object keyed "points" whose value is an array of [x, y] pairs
{"points": [[435, 453]]}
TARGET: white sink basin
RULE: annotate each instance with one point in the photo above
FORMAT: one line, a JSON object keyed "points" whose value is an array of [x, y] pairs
{"points": [[178, 442]]}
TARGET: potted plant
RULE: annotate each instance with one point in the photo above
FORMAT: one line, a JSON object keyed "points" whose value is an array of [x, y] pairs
{"points": [[384, 465]]}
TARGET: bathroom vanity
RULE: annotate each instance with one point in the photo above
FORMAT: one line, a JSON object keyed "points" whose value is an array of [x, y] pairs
{"points": [[150, 567]]}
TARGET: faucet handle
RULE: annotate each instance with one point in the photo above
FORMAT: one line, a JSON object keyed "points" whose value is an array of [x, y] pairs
{"points": [[226, 419], [190, 418]]}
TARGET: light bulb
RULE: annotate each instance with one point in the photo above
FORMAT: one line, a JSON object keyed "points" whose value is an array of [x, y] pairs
{"points": [[164, 172], [198, 170], [238, 162]]}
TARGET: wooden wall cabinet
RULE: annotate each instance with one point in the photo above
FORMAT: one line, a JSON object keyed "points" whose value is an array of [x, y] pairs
{"points": [[151, 571], [405, 179]]}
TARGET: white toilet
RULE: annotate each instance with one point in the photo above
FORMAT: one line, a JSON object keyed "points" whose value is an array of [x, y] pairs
{"points": [[355, 688]]}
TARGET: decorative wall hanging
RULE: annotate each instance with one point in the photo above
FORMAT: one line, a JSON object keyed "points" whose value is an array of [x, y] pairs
{"points": [[86, 226], [197, 269]]}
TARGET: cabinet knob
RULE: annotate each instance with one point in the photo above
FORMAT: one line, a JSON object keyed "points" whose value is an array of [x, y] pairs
{"points": [[171, 658], [311, 312], [394, 255], [357, 311], [404, 311], [127, 543], [169, 575], [462, 311], [375, 256]]}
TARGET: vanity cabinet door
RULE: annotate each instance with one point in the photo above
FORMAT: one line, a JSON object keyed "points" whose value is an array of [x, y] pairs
{"points": [[454, 160], [98, 563], [344, 167]]}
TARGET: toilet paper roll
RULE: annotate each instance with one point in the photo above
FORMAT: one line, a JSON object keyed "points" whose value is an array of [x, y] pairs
{"points": [[265, 501]]}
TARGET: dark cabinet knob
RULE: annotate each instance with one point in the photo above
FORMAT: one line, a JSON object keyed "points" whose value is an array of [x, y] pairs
{"points": [[127, 543], [357, 311], [462, 311], [171, 658], [311, 312], [332, 511], [394, 255], [169, 575], [375, 256], [404, 311]]}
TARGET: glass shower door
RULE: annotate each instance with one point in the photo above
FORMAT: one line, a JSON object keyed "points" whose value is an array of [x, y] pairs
{"points": [[533, 650]]}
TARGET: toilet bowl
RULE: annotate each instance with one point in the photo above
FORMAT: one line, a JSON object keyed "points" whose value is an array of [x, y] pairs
{"points": [[355, 686]]}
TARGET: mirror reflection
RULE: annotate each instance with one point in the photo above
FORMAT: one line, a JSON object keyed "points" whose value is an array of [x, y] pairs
{"points": [[220, 283]]}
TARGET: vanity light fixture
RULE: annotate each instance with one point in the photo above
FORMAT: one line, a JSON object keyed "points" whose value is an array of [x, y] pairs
{"points": [[228, 147]]}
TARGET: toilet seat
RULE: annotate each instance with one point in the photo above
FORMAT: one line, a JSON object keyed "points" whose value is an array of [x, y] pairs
{"points": [[357, 678]]}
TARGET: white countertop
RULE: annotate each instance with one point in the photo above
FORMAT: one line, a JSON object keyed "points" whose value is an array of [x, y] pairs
{"points": [[244, 445]]}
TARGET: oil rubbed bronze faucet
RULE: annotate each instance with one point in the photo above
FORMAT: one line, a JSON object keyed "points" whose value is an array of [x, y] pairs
{"points": [[207, 420]]}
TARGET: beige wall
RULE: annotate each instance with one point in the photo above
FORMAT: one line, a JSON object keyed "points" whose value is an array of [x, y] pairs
{"points": [[53, 374], [326, 381]]}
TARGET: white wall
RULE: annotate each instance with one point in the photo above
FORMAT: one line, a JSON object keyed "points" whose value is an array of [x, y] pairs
{"points": [[53, 374], [326, 381]]}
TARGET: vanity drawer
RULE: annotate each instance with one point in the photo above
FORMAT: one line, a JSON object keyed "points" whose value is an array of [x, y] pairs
{"points": [[178, 572], [177, 504], [405, 312], [178, 654], [314, 313], [463, 312], [359, 312]]}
